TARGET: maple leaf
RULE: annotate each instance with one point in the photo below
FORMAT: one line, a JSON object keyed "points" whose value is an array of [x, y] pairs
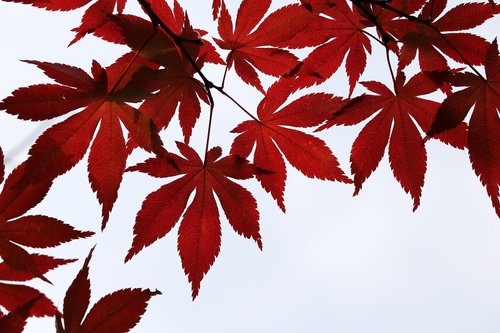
{"points": [[435, 34], [343, 28], [199, 232], [36, 231], [273, 139], [15, 321], [63, 145], [396, 125], [117, 312], [177, 88], [482, 95], [254, 47]]}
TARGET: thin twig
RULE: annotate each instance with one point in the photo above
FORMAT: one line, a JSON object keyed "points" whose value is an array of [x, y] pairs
{"points": [[390, 69], [223, 92]]}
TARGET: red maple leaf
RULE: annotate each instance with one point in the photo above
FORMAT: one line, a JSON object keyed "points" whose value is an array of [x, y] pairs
{"points": [[343, 28], [63, 145], [441, 34], [273, 138], [177, 88], [253, 47], [400, 112], [482, 95], [35, 231], [117, 312], [199, 232]]}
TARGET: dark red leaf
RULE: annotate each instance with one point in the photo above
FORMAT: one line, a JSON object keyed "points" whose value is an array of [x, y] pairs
{"points": [[441, 36], [482, 95], [199, 232], [77, 298], [63, 145], [178, 89], [117, 312], [343, 28], [305, 152], [402, 111], [260, 47]]}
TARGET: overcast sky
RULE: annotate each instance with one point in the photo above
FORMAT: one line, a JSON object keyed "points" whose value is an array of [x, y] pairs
{"points": [[333, 263]]}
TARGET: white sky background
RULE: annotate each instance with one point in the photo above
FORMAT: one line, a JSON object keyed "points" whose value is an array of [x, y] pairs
{"points": [[333, 263]]}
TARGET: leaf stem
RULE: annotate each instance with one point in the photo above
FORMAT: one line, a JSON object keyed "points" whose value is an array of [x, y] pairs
{"points": [[209, 131], [232, 99], [373, 37], [387, 56], [228, 61]]}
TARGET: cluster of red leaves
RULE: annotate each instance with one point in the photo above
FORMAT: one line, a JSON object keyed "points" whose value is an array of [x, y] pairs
{"points": [[164, 72]]}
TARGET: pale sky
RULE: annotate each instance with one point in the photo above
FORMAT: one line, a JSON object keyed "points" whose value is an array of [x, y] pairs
{"points": [[332, 263]]}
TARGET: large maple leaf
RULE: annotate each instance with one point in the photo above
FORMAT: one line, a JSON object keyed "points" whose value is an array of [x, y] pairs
{"points": [[396, 124], [273, 138], [199, 232], [63, 145], [343, 28], [175, 82], [253, 47], [435, 34], [117, 312], [482, 95]]}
